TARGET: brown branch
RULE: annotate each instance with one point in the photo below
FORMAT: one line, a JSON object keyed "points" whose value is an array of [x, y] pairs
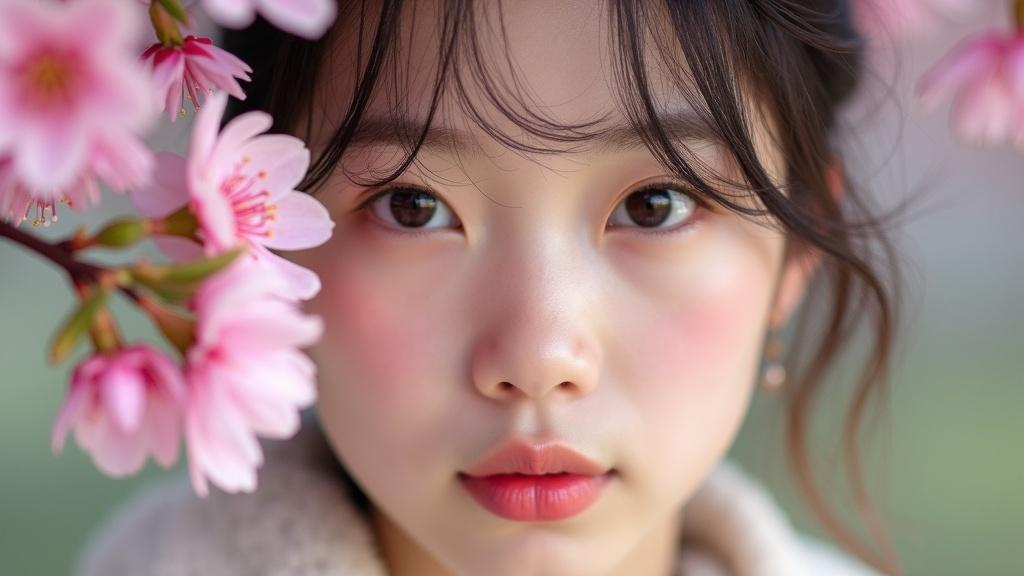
{"points": [[80, 272]]}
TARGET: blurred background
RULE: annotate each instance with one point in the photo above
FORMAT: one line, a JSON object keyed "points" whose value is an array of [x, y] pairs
{"points": [[945, 460]]}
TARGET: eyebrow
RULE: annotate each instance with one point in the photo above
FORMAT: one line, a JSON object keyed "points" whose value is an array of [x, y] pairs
{"points": [[385, 131]]}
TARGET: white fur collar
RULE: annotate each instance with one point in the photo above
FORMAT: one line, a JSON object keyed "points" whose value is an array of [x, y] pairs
{"points": [[302, 522]]}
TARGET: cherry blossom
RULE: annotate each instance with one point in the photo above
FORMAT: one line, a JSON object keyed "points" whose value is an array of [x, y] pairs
{"points": [[245, 372], [240, 184], [193, 68], [73, 100], [984, 76], [123, 406]]}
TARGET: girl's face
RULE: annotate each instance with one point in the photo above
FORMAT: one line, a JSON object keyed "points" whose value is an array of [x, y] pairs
{"points": [[493, 296]]}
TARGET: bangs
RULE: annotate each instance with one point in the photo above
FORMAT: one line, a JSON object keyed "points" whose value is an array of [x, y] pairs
{"points": [[711, 93]]}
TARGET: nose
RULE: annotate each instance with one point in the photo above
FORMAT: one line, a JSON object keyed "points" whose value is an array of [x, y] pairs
{"points": [[540, 339]]}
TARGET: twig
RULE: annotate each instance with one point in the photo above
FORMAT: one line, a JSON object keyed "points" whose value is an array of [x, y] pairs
{"points": [[80, 272]]}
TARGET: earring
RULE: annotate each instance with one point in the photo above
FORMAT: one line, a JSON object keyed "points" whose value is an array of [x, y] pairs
{"points": [[774, 372]]}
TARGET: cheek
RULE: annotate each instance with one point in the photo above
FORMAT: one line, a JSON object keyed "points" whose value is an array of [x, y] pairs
{"points": [[385, 354], [695, 349], [706, 313]]}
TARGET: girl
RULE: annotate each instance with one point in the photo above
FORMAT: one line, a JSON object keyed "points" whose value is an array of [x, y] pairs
{"points": [[567, 237]]}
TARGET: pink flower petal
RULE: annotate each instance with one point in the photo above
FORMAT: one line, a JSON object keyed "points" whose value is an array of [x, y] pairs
{"points": [[257, 397], [240, 129], [70, 412], [167, 192], [221, 446], [303, 283], [963, 65], [124, 396], [52, 157], [114, 452], [123, 162], [179, 249], [302, 222], [204, 130], [985, 111], [164, 430], [230, 13], [306, 18], [272, 326], [283, 158]]}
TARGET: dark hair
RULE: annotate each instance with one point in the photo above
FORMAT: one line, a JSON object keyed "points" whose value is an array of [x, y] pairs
{"points": [[801, 59]]}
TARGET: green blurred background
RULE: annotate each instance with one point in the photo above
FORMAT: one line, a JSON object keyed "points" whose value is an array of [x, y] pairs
{"points": [[946, 456]]}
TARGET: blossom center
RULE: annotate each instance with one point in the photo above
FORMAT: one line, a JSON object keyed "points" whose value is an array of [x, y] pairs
{"points": [[248, 199], [50, 79]]}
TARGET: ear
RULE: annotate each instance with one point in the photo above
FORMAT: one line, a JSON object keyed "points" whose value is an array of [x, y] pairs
{"points": [[800, 268]]}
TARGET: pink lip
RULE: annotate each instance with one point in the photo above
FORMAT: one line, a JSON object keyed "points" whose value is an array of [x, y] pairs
{"points": [[526, 483]]}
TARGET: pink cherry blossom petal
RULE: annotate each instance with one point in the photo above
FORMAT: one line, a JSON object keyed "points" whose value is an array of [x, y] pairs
{"points": [[230, 13], [123, 406], [984, 111], [179, 249], [163, 429], [204, 130], [234, 135], [303, 282], [303, 222], [957, 69], [283, 158], [985, 77], [124, 396], [246, 376], [114, 452], [272, 327], [306, 18], [51, 157], [168, 191]]}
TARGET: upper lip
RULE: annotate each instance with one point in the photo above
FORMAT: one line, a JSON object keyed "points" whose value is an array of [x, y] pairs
{"points": [[521, 457]]}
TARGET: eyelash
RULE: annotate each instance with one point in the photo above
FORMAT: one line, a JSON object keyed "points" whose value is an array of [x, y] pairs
{"points": [[700, 206]]}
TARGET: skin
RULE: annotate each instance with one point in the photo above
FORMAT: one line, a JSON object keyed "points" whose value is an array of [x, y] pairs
{"points": [[528, 315]]}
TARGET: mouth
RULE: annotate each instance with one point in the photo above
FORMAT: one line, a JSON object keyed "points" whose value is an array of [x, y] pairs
{"points": [[525, 482], [536, 497]]}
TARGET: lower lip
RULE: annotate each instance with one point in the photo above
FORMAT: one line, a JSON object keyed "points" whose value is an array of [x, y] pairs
{"points": [[530, 497]]}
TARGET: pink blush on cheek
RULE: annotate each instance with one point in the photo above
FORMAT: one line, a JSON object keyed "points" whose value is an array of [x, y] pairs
{"points": [[711, 330], [377, 341]]}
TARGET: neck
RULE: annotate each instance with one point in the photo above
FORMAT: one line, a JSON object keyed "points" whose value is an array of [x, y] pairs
{"points": [[656, 552]]}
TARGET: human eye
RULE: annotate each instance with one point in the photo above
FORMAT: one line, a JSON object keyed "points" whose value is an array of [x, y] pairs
{"points": [[409, 209], [661, 207]]}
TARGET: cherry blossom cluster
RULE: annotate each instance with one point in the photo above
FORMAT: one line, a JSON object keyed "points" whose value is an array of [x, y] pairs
{"points": [[983, 74], [79, 91]]}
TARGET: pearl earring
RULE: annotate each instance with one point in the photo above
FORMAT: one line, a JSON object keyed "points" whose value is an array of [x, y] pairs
{"points": [[774, 372]]}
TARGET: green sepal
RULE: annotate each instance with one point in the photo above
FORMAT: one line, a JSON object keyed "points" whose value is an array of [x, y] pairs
{"points": [[175, 9], [122, 233], [177, 282], [77, 325]]}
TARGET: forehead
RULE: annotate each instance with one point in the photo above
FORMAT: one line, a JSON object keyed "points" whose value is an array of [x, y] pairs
{"points": [[543, 75], [548, 63]]}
